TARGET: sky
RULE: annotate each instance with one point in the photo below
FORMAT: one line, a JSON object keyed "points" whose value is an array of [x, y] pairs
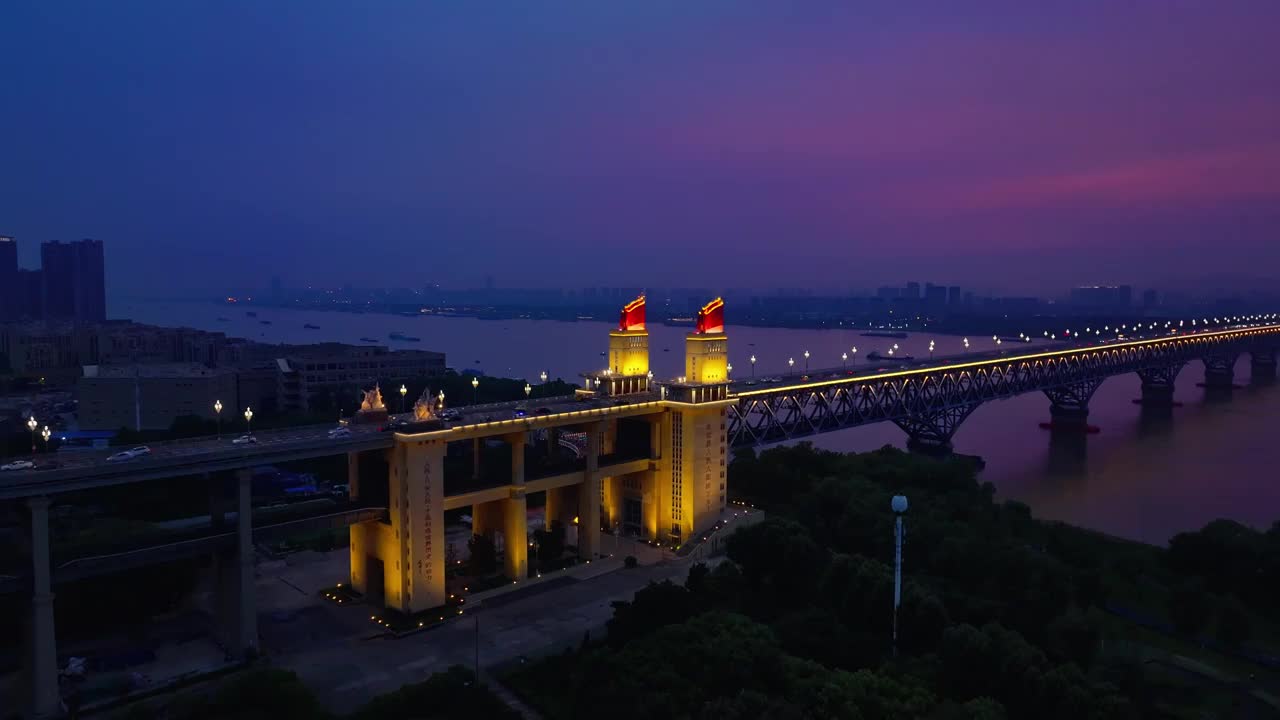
{"points": [[997, 144]]}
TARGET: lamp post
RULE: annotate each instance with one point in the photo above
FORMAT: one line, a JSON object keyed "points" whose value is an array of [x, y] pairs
{"points": [[217, 412], [753, 366], [844, 360], [475, 390], [31, 423], [966, 345], [248, 420], [791, 364], [45, 434], [403, 391], [441, 396], [527, 389], [854, 352], [930, 349], [899, 506], [806, 361], [544, 377], [729, 368]]}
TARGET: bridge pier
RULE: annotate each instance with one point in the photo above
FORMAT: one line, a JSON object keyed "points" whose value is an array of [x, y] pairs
{"points": [[930, 433], [1158, 384], [589, 496], [1220, 370], [234, 597], [515, 519], [1262, 365], [1069, 405], [353, 476], [40, 667]]}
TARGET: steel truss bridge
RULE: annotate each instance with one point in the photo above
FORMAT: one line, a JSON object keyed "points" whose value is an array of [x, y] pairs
{"points": [[929, 402]]}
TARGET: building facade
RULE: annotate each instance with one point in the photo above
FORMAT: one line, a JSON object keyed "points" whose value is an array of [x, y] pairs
{"points": [[74, 276], [335, 368], [151, 397]]}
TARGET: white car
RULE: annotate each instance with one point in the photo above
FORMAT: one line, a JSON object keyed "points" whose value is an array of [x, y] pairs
{"points": [[339, 432], [130, 454], [245, 440], [18, 465]]}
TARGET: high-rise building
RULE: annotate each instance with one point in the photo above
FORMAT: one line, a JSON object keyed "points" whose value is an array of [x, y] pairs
{"points": [[74, 281], [935, 296], [953, 295], [9, 307], [30, 294], [913, 291]]}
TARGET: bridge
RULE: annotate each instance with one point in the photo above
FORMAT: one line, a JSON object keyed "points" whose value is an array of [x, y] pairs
{"points": [[645, 455]]}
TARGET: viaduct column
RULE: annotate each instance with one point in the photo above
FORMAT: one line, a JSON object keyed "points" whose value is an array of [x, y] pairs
{"points": [[411, 547], [353, 476], [589, 497], [44, 699], [236, 601], [515, 518]]}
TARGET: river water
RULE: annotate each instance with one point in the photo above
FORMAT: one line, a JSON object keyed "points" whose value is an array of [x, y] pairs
{"points": [[1143, 477]]}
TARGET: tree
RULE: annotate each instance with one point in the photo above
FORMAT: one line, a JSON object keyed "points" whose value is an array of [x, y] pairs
{"points": [[1072, 638], [484, 556], [1190, 607], [1234, 626]]}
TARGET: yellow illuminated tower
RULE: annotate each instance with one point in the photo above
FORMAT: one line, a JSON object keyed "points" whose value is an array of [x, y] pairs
{"points": [[628, 370], [692, 494]]}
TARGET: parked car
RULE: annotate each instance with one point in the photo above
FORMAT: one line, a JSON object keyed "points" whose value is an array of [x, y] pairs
{"points": [[245, 440], [340, 432], [140, 451], [18, 465]]}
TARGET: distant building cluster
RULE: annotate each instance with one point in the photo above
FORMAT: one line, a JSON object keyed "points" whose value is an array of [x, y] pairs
{"points": [[70, 284]]}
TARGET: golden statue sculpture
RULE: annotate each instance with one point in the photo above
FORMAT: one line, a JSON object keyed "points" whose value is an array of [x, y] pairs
{"points": [[372, 401], [422, 408]]}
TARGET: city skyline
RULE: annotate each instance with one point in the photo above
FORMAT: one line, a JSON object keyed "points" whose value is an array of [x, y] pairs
{"points": [[819, 146]]}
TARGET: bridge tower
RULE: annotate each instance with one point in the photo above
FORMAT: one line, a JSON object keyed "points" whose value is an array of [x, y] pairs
{"points": [[691, 491]]}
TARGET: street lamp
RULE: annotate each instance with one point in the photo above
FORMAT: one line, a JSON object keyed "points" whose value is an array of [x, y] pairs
{"points": [[791, 363], [844, 359], [441, 396], [753, 366], [45, 434], [31, 423], [403, 391], [544, 377], [966, 344], [854, 352], [806, 361], [248, 420], [217, 411], [527, 389], [899, 506], [930, 349], [475, 390], [729, 368]]}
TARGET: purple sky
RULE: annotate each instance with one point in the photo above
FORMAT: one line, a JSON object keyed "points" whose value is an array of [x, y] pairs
{"points": [[1020, 146]]}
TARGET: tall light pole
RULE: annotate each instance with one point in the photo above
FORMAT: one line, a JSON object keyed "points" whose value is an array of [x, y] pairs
{"points": [[791, 364], [403, 391], [728, 368], [966, 345], [475, 390], [544, 377], [844, 360], [753, 366], [45, 434], [930, 349], [441, 396], [854, 352], [527, 389], [217, 412], [806, 361], [31, 423], [899, 505], [248, 420]]}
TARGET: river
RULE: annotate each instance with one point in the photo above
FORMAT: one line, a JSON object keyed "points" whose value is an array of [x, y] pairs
{"points": [[1142, 477]]}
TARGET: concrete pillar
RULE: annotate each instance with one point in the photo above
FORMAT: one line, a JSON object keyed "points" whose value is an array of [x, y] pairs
{"points": [[237, 603], [476, 446], [353, 476], [1157, 394], [515, 518], [1069, 418], [1262, 366], [589, 497], [44, 699], [487, 517], [649, 505]]}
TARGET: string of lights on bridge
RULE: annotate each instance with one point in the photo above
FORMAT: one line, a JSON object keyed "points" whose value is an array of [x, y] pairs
{"points": [[1111, 333]]}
